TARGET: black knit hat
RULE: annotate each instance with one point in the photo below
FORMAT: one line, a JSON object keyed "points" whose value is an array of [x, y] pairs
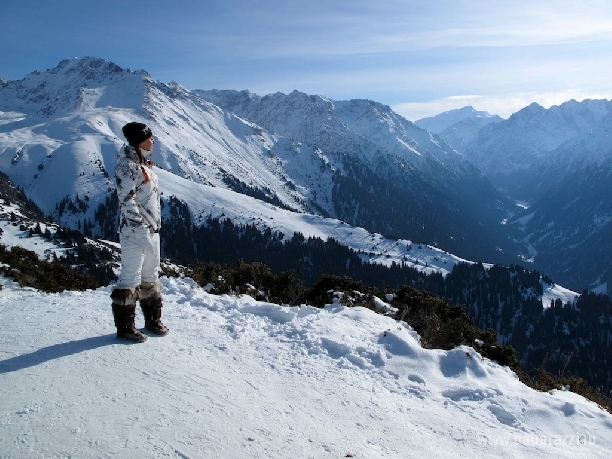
{"points": [[136, 133]]}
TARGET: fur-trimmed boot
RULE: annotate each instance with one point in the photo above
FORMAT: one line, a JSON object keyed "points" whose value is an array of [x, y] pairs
{"points": [[124, 312], [151, 305]]}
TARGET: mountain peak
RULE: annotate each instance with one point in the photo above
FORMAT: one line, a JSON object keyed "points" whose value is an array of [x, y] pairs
{"points": [[70, 84], [446, 120], [88, 67], [531, 109]]}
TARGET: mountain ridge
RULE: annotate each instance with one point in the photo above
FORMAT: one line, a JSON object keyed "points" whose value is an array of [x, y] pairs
{"points": [[344, 126], [339, 173], [531, 140], [458, 127]]}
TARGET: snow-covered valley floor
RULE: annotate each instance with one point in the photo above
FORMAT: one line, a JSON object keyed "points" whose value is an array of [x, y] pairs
{"points": [[238, 378]]}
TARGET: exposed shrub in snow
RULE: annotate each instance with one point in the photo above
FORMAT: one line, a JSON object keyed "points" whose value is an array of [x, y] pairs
{"points": [[24, 267], [254, 279], [349, 291], [445, 326]]}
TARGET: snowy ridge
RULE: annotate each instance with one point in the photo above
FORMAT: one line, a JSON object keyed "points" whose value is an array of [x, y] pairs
{"points": [[530, 137], [196, 140], [458, 128], [239, 378], [340, 126], [216, 202], [61, 90], [219, 203], [442, 122]]}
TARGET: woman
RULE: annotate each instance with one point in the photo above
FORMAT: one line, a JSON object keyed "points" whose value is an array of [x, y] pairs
{"points": [[139, 224]]}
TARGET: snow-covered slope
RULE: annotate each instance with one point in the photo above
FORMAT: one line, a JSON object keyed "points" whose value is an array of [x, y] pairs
{"points": [[238, 378], [16, 231]]}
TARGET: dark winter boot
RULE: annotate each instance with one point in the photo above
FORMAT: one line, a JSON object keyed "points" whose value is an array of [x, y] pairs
{"points": [[151, 305], [124, 312]]}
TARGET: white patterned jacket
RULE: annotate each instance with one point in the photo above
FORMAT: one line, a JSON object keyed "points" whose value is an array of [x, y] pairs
{"points": [[138, 192]]}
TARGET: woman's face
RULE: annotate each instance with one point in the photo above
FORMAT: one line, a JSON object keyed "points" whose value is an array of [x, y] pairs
{"points": [[147, 144]]}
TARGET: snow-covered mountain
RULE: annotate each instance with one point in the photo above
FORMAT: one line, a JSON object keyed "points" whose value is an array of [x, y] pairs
{"points": [[459, 127], [355, 161], [66, 122], [352, 164], [534, 148], [425, 180], [557, 161], [238, 378], [363, 128]]}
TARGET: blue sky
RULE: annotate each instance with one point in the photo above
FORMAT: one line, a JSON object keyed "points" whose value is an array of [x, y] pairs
{"points": [[421, 57]]}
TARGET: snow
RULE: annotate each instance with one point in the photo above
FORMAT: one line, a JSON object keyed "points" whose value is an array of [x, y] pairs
{"points": [[205, 201], [16, 233], [554, 291], [237, 378]]}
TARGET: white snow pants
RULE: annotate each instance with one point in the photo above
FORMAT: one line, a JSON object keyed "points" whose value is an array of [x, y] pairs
{"points": [[137, 265]]}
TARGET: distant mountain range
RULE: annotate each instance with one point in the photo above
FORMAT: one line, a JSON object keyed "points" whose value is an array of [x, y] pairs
{"points": [[458, 127], [558, 163], [454, 186]]}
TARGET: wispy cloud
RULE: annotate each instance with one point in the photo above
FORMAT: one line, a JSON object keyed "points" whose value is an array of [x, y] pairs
{"points": [[322, 28]]}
